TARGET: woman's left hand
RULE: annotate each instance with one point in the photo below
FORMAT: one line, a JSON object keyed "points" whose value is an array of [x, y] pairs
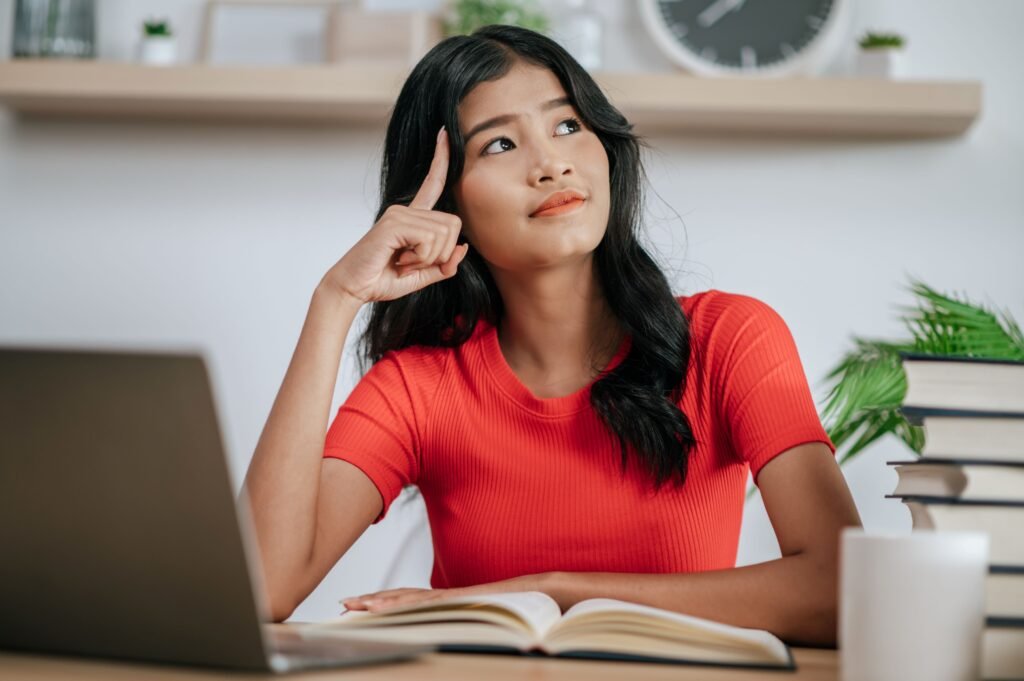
{"points": [[391, 598]]}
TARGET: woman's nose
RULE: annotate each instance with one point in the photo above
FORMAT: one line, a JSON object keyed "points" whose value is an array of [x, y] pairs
{"points": [[550, 164]]}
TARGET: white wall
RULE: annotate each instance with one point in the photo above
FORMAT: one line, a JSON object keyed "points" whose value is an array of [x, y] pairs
{"points": [[163, 235]]}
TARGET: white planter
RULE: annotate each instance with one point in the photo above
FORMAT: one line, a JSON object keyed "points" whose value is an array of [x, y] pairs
{"points": [[880, 62], [158, 51]]}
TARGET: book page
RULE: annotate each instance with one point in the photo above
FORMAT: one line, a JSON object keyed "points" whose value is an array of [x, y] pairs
{"points": [[608, 615], [444, 633], [533, 612]]}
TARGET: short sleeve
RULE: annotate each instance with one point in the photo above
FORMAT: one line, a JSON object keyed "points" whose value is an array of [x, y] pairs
{"points": [[765, 399], [375, 429]]}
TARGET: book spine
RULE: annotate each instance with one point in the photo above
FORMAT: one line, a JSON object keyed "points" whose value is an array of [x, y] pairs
{"points": [[916, 414]]}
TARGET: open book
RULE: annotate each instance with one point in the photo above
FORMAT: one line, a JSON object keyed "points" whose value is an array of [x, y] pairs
{"points": [[532, 623]]}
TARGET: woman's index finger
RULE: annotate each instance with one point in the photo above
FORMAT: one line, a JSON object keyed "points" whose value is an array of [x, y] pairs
{"points": [[433, 184]]}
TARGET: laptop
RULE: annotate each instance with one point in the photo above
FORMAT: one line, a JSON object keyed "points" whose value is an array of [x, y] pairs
{"points": [[120, 534]]}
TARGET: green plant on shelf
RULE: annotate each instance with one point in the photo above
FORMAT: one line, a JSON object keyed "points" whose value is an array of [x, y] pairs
{"points": [[868, 384], [873, 41], [465, 16], [156, 28]]}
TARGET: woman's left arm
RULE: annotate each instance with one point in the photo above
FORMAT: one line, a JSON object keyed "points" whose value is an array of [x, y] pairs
{"points": [[794, 597]]}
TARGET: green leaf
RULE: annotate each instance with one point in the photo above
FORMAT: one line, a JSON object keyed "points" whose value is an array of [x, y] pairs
{"points": [[868, 383], [465, 16], [871, 40]]}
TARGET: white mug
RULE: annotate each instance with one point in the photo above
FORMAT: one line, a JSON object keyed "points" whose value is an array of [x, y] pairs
{"points": [[911, 606]]}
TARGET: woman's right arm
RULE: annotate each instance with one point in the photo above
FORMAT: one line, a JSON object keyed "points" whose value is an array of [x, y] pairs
{"points": [[306, 510]]}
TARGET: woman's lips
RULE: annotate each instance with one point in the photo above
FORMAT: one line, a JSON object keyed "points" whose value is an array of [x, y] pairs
{"points": [[567, 207]]}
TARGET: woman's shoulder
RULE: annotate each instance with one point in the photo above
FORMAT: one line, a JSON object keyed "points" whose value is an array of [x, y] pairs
{"points": [[710, 305], [721, 317], [421, 362], [426, 364]]}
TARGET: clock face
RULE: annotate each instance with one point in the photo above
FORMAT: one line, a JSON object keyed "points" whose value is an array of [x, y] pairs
{"points": [[745, 35]]}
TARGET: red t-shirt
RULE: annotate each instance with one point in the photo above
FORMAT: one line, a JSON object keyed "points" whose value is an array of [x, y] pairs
{"points": [[515, 484]]}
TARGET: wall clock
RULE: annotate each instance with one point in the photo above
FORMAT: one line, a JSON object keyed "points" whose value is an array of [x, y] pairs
{"points": [[748, 37]]}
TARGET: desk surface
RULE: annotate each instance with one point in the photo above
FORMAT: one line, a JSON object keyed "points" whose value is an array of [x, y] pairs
{"points": [[813, 665]]}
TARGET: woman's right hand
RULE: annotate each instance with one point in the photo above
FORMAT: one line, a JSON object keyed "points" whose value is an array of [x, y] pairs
{"points": [[409, 248]]}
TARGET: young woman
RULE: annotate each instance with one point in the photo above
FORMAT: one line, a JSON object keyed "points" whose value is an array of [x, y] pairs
{"points": [[573, 426]]}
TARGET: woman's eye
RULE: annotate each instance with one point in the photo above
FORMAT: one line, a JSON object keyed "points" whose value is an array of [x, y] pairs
{"points": [[574, 124], [491, 146]]}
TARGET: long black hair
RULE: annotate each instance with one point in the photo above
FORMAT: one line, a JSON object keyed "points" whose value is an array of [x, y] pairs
{"points": [[637, 400]]}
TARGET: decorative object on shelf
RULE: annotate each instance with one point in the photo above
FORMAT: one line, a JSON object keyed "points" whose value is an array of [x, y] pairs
{"points": [[736, 38], [47, 28], [286, 32], [465, 16], [389, 37], [580, 30], [870, 383], [265, 32], [880, 55], [157, 46]]}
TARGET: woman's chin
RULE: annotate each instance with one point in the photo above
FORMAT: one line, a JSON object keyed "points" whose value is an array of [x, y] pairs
{"points": [[561, 252]]}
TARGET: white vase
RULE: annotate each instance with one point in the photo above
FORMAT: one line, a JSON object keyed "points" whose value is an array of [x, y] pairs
{"points": [[158, 50], [879, 62]]}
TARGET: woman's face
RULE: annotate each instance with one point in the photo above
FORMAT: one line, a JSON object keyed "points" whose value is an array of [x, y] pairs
{"points": [[512, 166]]}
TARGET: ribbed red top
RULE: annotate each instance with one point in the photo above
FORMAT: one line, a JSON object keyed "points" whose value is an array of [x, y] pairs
{"points": [[515, 484]]}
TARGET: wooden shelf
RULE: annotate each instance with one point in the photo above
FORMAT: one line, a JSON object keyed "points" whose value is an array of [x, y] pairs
{"points": [[340, 95]]}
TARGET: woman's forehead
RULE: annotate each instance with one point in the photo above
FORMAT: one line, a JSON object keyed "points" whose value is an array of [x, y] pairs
{"points": [[523, 89]]}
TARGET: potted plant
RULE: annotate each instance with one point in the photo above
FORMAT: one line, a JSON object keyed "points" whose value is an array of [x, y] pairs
{"points": [[880, 55], [869, 383], [465, 16], [158, 46]]}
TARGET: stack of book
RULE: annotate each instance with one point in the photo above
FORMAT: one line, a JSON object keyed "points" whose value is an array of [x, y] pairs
{"points": [[970, 476]]}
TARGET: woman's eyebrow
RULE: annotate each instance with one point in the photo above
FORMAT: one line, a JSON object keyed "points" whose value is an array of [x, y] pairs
{"points": [[508, 118]]}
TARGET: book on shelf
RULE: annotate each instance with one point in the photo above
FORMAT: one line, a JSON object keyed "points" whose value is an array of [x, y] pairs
{"points": [[964, 383], [1002, 520], [532, 623], [964, 480]]}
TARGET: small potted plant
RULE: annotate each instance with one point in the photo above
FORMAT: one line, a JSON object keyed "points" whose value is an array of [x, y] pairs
{"points": [[465, 16], [880, 55], [157, 46]]}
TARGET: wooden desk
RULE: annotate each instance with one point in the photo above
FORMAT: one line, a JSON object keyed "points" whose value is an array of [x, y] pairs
{"points": [[813, 665]]}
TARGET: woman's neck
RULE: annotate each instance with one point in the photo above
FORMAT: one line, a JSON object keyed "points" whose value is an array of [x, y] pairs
{"points": [[557, 324]]}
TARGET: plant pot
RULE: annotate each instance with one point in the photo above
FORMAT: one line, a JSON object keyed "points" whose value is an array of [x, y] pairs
{"points": [[158, 50], [879, 62]]}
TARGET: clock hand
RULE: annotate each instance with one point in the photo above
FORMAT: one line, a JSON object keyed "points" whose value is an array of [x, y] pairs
{"points": [[716, 10]]}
